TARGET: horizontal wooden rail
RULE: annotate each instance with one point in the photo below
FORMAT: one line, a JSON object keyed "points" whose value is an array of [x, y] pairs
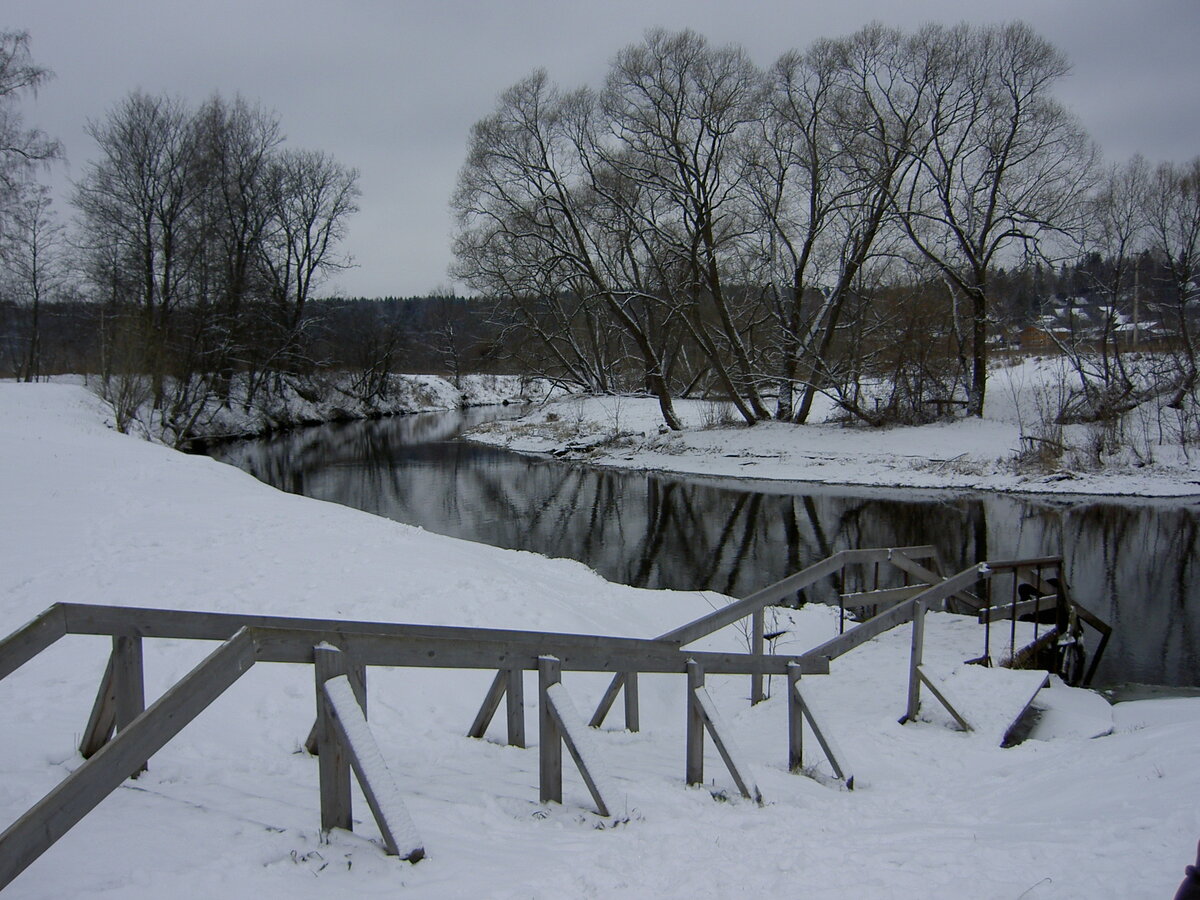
{"points": [[290, 640], [899, 614], [31, 639], [79, 793], [780, 590]]}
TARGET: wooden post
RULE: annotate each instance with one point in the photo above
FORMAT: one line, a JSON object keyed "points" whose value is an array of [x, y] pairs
{"points": [[357, 676], [694, 768], [549, 737], [350, 723], [128, 681], [795, 720], [334, 765], [756, 647], [633, 719], [914, 663], [515, 695], [103, 720]]}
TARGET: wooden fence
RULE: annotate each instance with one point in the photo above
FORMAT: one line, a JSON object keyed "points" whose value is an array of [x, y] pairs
{"points": [[122, 733]]}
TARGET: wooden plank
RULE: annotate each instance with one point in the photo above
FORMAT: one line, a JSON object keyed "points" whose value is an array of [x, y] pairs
{"points": [[357, 675], [578, 740], [915, 657], [103, 720], [1005, 565], [898, 614], [917, 570], [633, 718], [128, 678], [723, 740], [190, 624], [549, 736], [1020, 608], [378, 786], [608, 655], [757, 629], [515, 695], [941, 698], [491, 703], [795, 721], [739, 609], [1008, 732], [883, 596], [607, 701], [694, 748], [420, 645], [333, 765], [79, 793], [31, 639], [837, 759]]}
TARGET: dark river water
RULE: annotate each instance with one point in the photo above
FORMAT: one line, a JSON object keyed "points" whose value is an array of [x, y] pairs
{"points": [[1133, 563]]}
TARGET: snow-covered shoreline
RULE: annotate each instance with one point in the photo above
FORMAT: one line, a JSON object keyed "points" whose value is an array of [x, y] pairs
{"points": [[296, 402], [988, 454], [229, 808]]}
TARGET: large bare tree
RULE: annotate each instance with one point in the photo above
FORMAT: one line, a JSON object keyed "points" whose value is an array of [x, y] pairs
{"points": [[1004, 166]]}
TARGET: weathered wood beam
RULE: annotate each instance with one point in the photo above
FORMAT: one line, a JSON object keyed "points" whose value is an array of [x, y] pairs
{"points": [[31, 639], [573, 731], [549, 734], [883, 596], [607, 700], [515, 697], [333, 764], [103, 720], [726, 748], [694, 738], [379, 788], [79, 793], [898, 614], [491, 703], [941, 698], [837, 759]]}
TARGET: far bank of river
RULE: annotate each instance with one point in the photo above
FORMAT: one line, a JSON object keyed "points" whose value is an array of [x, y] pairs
{"points": [[1132, 562]]}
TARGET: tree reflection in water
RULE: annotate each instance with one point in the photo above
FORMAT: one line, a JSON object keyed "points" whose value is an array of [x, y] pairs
{"points": [[1131, 562]]}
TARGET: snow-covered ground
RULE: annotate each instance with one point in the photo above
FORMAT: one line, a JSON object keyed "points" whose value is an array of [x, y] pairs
{"points": [[1003, 451], [230, 807], [297, 401]]}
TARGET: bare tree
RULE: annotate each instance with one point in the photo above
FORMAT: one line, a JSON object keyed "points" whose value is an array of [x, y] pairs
{"points": [[22, 149], [679, 110], [312, 196], [34, 254], [531, 224], [1173, 229], [1004, 165], [835, 150]]}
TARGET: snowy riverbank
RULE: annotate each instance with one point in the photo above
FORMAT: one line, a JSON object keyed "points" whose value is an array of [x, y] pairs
{"points": [[230, 807], [197, 415], [1003, 451]]}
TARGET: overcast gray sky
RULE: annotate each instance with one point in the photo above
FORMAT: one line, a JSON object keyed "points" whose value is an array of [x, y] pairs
{"points": [[392, 88]]}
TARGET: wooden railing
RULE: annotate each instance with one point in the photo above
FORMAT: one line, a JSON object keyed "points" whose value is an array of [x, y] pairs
{"points": [[904, 559], [122, 735]]}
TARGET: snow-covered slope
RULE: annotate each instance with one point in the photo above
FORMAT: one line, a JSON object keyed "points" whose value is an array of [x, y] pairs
{"points": [[230, 807]]}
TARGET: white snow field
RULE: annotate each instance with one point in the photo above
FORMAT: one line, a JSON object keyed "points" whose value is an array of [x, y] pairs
{"points": [[1157, 455], [230, 807]]}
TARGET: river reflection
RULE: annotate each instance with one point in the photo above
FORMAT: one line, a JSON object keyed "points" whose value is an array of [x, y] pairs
{"points": [[1132, 563]]}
